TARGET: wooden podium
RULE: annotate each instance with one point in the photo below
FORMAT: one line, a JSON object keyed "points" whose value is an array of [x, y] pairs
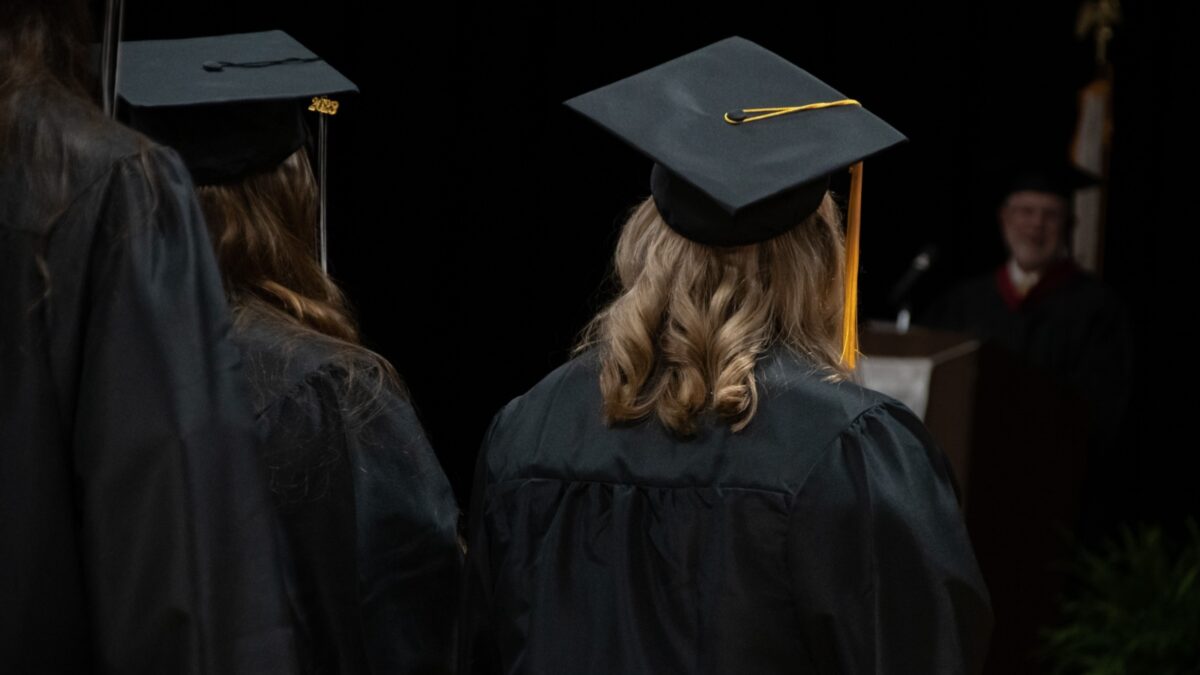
{"points": [[1017, 442]]}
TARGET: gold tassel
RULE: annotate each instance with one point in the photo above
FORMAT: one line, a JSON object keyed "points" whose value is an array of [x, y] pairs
{"points": [[850, 311]]}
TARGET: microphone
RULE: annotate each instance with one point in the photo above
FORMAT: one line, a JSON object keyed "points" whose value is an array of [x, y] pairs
{"points": [[920, 264]]}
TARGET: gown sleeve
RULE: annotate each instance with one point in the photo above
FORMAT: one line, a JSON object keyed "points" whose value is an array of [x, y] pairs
{"points": [[410, 558], [181, 571], [883, 574]]}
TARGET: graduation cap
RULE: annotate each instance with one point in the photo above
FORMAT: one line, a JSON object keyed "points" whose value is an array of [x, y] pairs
{"points": [[743, 144], [231, 105], [1061, 178]]}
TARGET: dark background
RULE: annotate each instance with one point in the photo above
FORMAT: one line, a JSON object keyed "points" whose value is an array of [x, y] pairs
{"points": [[473, 216]]}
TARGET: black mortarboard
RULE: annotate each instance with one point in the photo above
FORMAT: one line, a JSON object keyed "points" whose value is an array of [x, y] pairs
{"points": [[743, 144], [1060, 178], [729, 184], [229, 104]]}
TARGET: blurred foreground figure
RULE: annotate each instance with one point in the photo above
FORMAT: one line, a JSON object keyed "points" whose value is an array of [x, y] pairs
{"points": [[135, 531]]}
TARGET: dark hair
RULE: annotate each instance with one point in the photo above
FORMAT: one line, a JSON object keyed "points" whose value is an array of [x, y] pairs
{"points": [[44, 41], [43, 57]]}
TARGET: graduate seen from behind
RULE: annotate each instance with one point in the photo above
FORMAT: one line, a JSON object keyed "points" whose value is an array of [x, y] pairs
{"points": [[702, 489], [367, 517]]}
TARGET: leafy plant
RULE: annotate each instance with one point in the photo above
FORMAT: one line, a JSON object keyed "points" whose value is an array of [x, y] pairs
{"points": [[1135, 608]]}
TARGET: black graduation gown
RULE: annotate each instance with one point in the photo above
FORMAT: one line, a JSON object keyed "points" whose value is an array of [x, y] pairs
{"points": [[1069, 326], [368, 519], [825, 537], [135, 531]]}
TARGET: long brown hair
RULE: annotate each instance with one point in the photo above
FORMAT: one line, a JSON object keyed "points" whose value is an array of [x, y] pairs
{"points": [[263, 229], [690, 321]]}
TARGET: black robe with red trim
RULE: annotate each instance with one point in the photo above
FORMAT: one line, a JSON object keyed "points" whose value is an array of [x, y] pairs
{"points": [[1068, 325]]}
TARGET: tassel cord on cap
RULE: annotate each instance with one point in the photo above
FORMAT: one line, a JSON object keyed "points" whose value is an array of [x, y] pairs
{"points": [[742, 116]]}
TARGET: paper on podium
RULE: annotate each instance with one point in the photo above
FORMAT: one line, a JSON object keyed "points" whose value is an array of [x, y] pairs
{"points": [[903, 378]]}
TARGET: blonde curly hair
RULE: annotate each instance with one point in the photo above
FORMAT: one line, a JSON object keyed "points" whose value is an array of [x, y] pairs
{"points": [[690, 321]]}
